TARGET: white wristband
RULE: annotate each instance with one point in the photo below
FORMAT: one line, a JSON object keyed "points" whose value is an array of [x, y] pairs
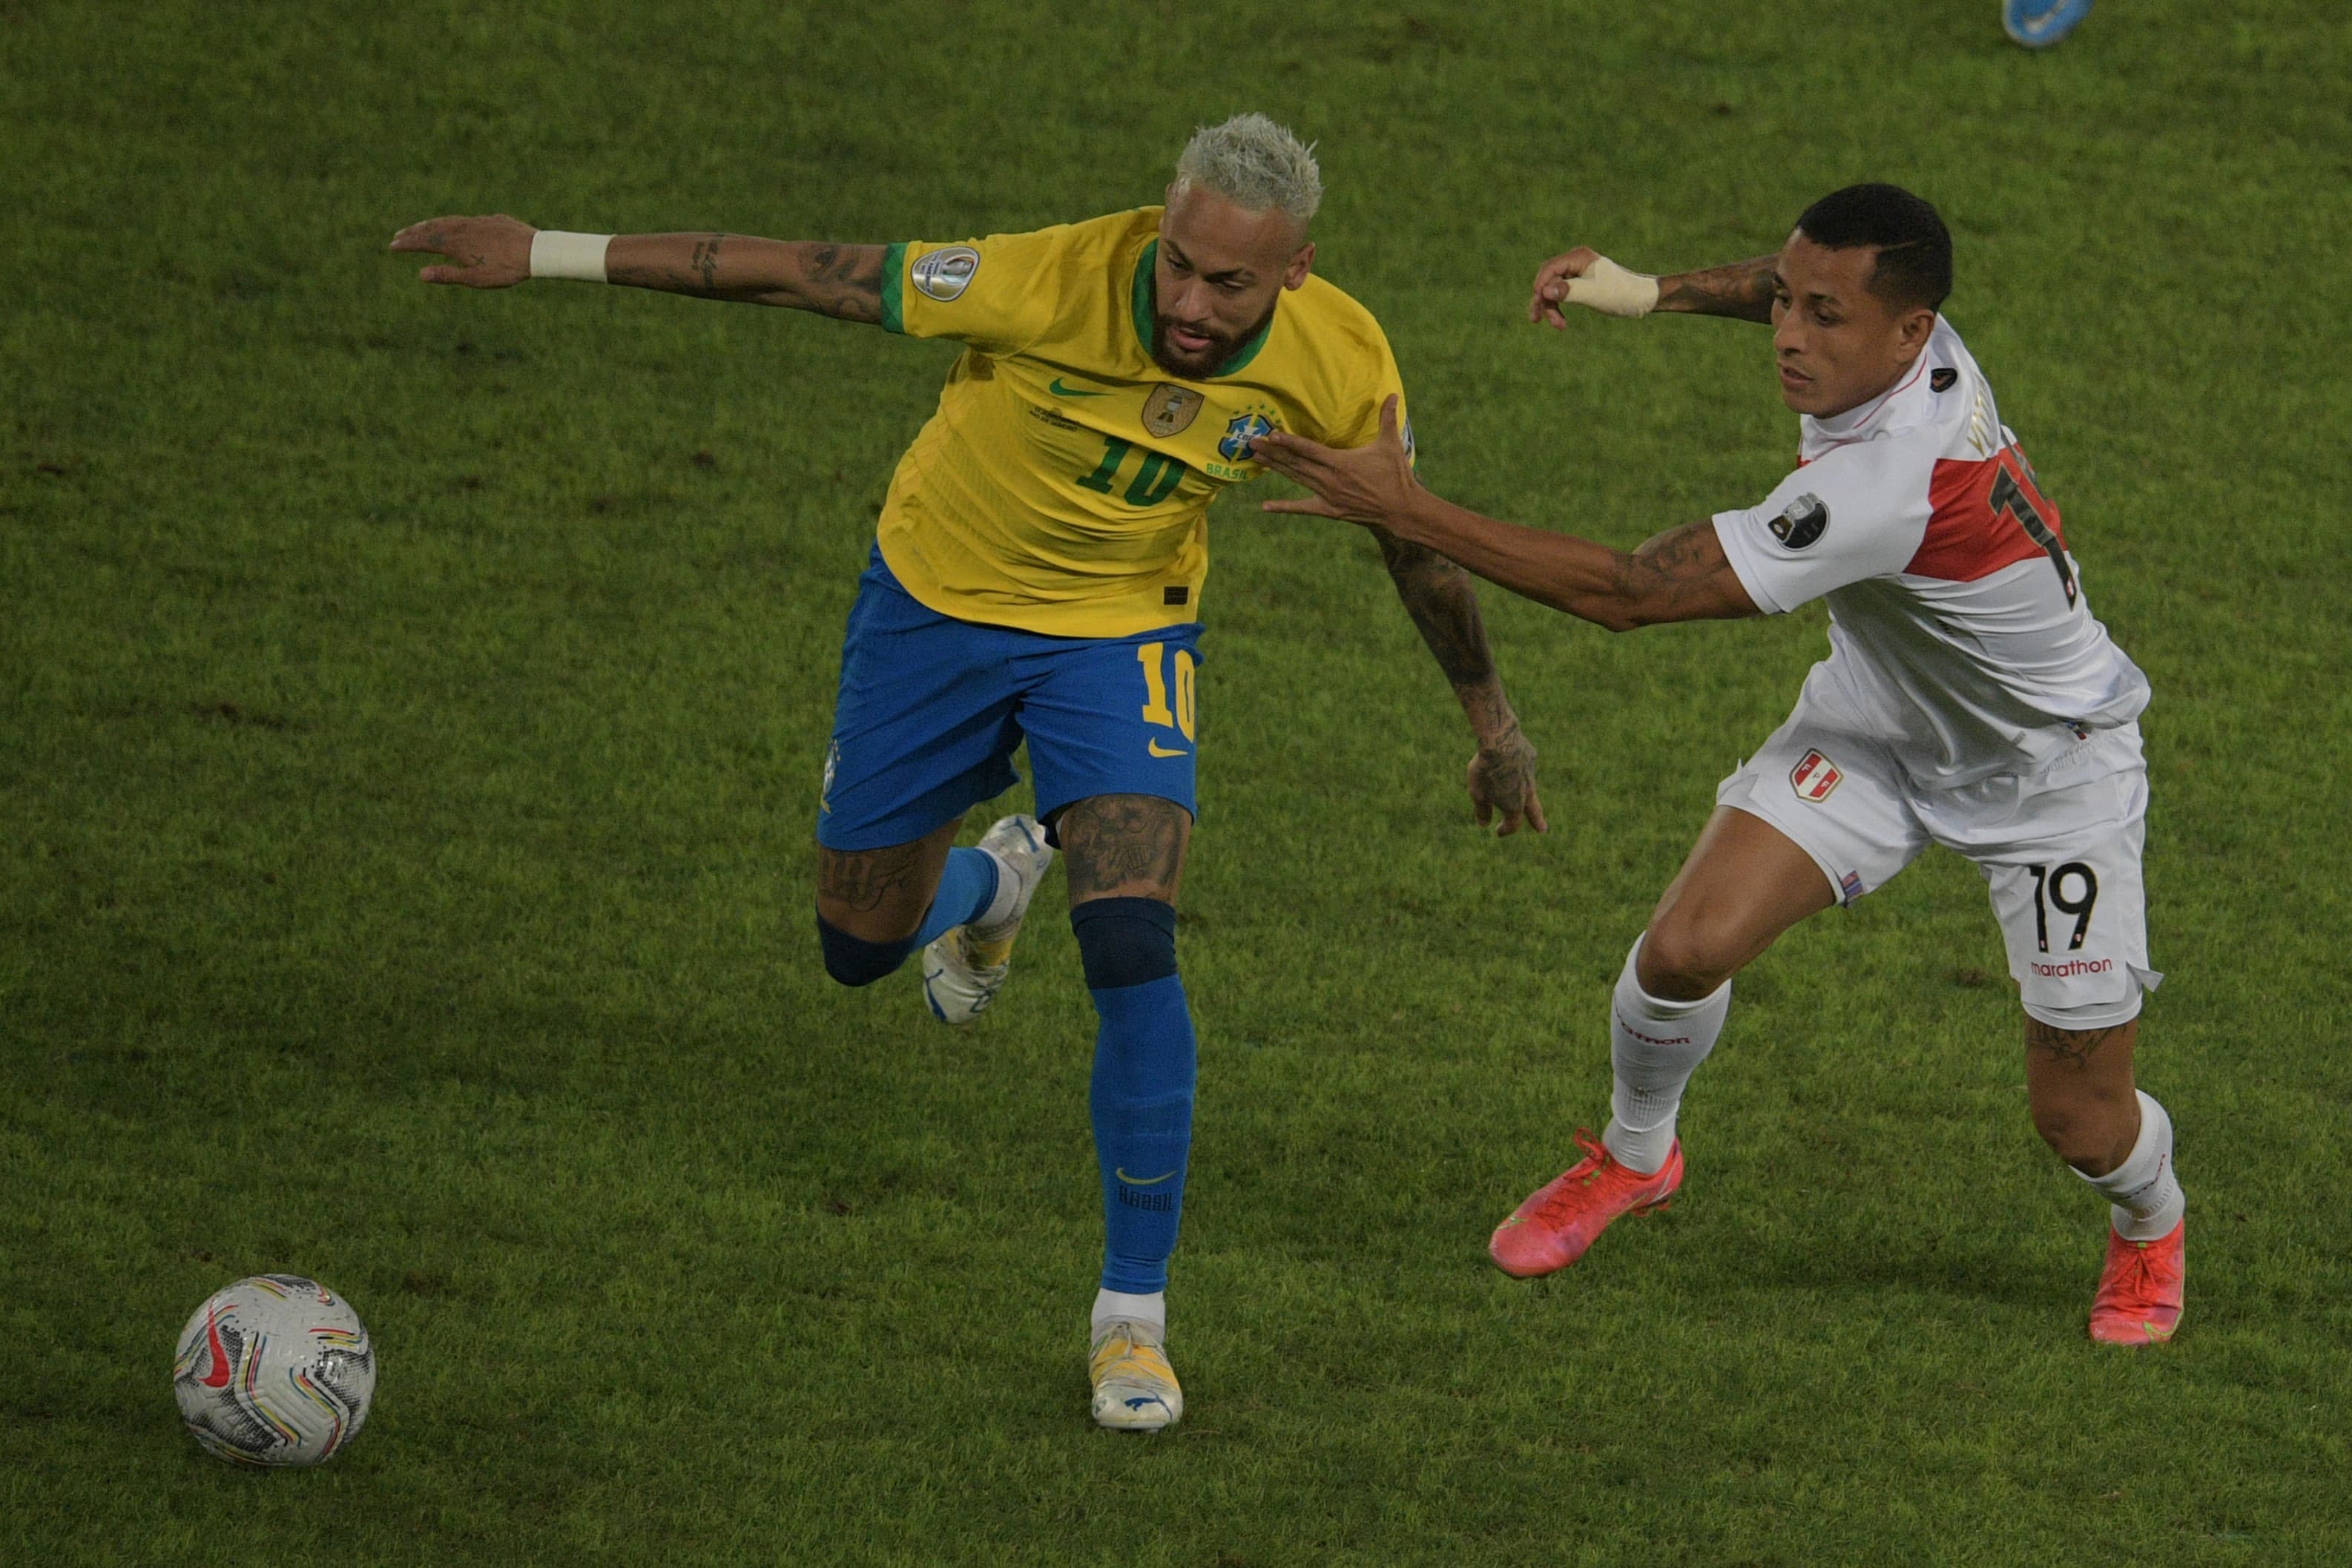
{"points": [[578, 257], [1612, 291]]}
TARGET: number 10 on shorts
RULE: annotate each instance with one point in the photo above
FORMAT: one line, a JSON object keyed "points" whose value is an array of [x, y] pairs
{"points": [[1157, 682]]}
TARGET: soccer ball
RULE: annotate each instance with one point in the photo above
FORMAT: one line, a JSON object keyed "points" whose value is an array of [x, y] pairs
{"points": [[274, 1370]]}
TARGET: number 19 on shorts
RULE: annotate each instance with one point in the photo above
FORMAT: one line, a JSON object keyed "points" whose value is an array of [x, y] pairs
{"points": [[1166, 673], [2050, 890]]}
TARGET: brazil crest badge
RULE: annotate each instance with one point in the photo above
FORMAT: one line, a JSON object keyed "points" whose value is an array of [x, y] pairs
{"points": [[1240, 431]]}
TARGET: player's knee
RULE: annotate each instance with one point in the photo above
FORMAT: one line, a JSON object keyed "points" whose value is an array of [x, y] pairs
{"points": [[853, 959], [1125, 942], [2061, 1126], [1680, 962], [2088, 1125], [2089, 1135]]}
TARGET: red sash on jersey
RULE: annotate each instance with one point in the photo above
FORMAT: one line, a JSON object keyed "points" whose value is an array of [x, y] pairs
{"points": [[1988, 514]]}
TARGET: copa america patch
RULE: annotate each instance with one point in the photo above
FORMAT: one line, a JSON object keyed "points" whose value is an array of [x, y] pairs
{"points": [[1169, 410], [1815, 776], [1801, 522], [942, 275]]}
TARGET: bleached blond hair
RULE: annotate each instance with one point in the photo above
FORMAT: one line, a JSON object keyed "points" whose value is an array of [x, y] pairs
{"points": [[1253, 162]]}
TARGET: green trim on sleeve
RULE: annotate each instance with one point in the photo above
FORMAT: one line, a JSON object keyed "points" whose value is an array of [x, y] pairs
{"points": [[894, 272]]}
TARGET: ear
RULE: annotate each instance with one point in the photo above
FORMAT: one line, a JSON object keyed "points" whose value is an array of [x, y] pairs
{"points": [[1300, 264], [1915, 327]]}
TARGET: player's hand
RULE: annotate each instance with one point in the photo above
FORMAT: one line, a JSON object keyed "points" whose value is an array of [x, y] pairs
{"points": [[1361, 484], [1585, 276], [483, 252], [1502, 780]]}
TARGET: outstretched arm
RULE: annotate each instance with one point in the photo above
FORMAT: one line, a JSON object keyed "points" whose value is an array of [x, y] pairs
{"points": [[1682, 574], [1443, 605], [842, 280], [1742, 290]]}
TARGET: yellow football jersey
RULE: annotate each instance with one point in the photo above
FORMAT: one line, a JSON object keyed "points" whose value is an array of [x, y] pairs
{"points": [[1063, 485]]}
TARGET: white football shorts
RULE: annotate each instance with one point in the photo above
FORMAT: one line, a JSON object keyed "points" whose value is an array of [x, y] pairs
{"points": [[2059, 847]]}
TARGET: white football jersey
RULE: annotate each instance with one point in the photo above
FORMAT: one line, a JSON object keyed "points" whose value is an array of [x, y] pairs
{"points": [[1957, 619]]}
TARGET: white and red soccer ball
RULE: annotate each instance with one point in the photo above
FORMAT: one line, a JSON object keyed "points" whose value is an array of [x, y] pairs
{"points": [[274, 1370]]}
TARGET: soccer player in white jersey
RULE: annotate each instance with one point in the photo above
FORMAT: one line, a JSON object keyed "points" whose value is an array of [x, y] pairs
{"points": [[1969, 698]]}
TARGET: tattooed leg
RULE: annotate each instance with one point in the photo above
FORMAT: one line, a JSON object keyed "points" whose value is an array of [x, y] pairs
{"points": [[1124, 846], [1124, 854], [2079, 1083], [880, 895]]}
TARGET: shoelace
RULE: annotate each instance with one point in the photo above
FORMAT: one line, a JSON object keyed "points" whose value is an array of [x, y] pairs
{"points": [[1120, 1329], [2138, 1281], [1578, 1177]]}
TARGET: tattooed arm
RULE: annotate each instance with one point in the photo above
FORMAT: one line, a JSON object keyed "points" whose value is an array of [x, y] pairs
{"points": [[1682, 574], [1742, 290], [1443, 605], [840, 280]]}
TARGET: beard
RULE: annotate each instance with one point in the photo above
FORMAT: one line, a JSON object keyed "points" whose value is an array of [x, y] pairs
{"points": [[1221, 347]]}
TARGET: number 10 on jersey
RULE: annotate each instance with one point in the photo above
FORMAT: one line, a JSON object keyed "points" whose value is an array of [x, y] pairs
{"points": [[1156, 685]]}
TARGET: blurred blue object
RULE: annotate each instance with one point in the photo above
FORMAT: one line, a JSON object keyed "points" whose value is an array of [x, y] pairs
{"points": [[2038, 24]]}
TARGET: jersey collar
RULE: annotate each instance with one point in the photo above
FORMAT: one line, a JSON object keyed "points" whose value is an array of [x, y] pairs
{"points": [[1142, 305]]}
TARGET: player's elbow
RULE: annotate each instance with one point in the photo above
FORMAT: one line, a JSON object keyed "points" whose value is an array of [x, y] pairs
{"points": [[1618, 614], [1617, 599], [1625, 613]]}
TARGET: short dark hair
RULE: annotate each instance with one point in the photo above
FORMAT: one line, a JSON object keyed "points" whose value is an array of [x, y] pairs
{"points": [[1914, 249]]}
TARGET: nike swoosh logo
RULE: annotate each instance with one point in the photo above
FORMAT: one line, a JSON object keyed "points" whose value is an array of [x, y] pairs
{"points": [[218, 1377], [1157, 749], [1139, 1181], [1058, 390]]}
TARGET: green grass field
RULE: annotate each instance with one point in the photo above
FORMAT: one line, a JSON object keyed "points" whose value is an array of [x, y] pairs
{"points": [[412, 704]]}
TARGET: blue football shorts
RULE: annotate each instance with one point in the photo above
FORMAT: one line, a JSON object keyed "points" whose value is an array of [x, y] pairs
{"points": [[931, 709]]}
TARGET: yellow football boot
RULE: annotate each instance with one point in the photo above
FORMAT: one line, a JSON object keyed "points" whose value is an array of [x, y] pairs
{"points": [[1135, 1388]]}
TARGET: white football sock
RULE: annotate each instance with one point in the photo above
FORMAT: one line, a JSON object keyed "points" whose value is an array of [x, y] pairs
{"points": [[1007, 900], [1152, 1310], [2144, 1194], [1654, 1046]]}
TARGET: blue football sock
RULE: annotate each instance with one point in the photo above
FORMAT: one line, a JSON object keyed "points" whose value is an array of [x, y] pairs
{"points": [[853, 959], [1142, 1104], [1145, 1062], [967, 886]]}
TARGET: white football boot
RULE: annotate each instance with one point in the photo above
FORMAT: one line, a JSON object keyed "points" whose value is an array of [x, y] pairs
{"points": [[1135, 1388], [965, 968]]}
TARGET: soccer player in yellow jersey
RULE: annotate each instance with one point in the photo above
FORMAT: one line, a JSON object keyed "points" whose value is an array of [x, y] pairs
{"points": [[1037, 576]]}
